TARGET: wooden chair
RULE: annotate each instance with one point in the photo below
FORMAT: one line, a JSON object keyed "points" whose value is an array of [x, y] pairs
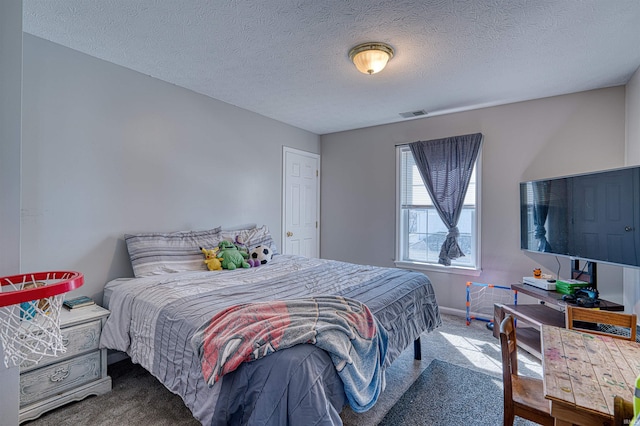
{"points": [[597, 316], [622, 411], [523, 396]]}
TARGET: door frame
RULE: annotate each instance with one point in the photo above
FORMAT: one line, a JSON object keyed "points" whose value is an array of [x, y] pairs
{"points": [[285, 150]]}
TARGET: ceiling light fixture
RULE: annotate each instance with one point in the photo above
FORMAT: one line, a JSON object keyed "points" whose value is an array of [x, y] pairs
{"points": [[371, 58]]}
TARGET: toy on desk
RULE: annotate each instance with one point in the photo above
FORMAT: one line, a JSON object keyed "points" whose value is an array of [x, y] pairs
{"points": [[537, 273]]}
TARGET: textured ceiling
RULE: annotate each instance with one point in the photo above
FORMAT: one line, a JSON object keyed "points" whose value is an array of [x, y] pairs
{"points": [[288, 59]]}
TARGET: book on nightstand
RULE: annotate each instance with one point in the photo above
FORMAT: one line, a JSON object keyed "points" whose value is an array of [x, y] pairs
{"points": [[78, 302]]}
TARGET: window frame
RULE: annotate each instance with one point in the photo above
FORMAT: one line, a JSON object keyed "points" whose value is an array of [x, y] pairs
{"points": [[434, 266]]}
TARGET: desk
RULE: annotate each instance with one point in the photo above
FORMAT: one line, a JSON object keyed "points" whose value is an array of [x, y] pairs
{"points": [[583, 372], [549, 311], [552, 297]]}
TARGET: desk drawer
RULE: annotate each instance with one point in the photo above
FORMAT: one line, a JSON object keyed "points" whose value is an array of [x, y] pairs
{"points": [[77, 339], [59, 377]]}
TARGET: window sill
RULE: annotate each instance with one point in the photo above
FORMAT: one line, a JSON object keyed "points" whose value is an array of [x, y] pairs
{"points": [[437, 268]]}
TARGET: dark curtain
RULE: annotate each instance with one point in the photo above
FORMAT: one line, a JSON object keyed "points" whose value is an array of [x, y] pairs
{"points": [[446, 166], [540, 212]]}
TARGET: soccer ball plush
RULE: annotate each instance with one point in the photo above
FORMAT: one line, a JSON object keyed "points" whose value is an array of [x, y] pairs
{"points": [[261, 254]]}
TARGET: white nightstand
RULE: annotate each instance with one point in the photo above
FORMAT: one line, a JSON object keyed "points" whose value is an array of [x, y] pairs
{"points": [[72, 376]]}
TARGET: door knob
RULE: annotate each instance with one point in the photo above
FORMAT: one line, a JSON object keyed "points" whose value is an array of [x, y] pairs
{"points": [[289, 234]]}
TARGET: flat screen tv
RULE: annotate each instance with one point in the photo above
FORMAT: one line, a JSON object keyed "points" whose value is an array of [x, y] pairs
{"points": [[592, 216]]}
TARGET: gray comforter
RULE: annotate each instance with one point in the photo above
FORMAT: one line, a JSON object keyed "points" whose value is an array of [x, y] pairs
{"points": [[153, 319]]}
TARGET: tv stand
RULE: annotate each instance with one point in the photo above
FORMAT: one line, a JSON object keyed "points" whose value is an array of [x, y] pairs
{"points": [[531, 317], [589, 273]]}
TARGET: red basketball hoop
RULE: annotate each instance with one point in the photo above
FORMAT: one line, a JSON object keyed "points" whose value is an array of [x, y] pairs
{"points": [[69, 281], [30, 306]]}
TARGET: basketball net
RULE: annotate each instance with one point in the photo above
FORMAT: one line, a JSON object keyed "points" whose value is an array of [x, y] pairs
{"points": [[30, 329]]}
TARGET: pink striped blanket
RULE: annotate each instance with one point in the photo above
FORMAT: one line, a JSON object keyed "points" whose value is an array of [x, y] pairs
{"points": [[343, 327]]}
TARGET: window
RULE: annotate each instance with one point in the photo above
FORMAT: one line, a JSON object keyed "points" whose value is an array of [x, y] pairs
{"points": [[420, 231]]}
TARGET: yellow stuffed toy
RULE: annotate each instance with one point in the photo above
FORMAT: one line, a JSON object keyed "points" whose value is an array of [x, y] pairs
{"points": [[211, 259]]}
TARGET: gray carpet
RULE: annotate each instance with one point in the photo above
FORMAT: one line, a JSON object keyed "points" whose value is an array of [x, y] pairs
{"points": [[470, 352], [446, 394]]}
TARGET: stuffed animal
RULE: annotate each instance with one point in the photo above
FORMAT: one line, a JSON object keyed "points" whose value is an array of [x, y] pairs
{"points": [[254, 263], [211, 260], [243, 248], [231, 257], [261, 254], [240, 244]]}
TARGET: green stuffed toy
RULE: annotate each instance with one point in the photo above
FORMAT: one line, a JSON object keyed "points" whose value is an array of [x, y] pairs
{"points": [[231, 257]]}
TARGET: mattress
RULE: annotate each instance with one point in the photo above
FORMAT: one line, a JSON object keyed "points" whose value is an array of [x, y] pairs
{"points": [[153, 319]]}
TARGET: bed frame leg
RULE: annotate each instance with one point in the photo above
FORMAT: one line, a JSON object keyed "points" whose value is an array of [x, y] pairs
{"points": [[417, 352]]}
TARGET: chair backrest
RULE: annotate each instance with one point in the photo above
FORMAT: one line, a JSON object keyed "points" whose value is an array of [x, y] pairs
{"points": [[622, 411], [509, 348], [523, 396], [599, 318]]}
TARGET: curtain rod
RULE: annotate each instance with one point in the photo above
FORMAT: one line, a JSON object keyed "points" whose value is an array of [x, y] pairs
{"points": [[409, 143]]}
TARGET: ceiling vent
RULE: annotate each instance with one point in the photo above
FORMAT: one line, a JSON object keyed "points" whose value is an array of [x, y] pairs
{"points": [[413, 114]]}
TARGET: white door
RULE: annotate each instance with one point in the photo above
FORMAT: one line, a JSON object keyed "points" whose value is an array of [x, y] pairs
{"points": [[301, 203]]}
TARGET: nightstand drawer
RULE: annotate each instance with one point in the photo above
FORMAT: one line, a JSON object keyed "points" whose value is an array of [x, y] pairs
{"points": [[59, 377], [77, 339]]}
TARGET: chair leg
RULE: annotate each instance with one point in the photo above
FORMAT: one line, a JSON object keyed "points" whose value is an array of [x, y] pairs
{"points": [[509, 417]]}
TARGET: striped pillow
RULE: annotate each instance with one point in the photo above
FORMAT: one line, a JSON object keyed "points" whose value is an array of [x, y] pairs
{"points": [[162, 253], [252, 237]]}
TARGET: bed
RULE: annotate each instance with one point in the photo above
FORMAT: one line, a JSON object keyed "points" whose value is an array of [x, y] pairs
{"points": [[154, 318]]}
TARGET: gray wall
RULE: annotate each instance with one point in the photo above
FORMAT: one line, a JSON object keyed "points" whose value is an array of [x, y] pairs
{"points": [[528, 140], [10, 110], [10, 106], [632, 276], [107, 151], [632, 110]]}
